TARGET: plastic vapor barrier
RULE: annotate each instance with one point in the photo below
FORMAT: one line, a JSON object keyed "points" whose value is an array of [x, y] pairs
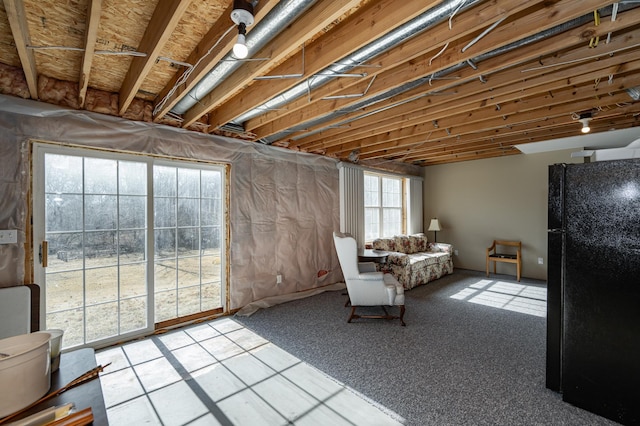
{"points": [[284, 205]]}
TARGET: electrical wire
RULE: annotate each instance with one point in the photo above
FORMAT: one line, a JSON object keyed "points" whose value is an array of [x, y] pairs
{"points": [[581, 59], [439, 53], [183, 78]]}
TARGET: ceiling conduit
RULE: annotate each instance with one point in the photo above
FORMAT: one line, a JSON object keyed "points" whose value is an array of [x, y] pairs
{"points": [[393, 38], [424, 80], [282, 15]]}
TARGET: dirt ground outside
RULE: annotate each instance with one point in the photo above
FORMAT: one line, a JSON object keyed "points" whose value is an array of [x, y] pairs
{"points": [[110, 297]]}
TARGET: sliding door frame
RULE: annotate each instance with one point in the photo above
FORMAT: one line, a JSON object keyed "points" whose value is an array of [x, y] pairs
{"points": [[37, 229]]}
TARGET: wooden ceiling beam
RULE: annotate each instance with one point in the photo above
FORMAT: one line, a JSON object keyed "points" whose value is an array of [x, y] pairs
{"points": [[549, 16], [565, 129], [433, 156], [478, 96], [214, 46], [518, 134], [475, 155], [461, 124], [517, 99], [471, 21], [554, 128], [576, 37], [320, 15], [20, 30], [164, 20], [376, 17], [470, 85], [469, 140], [94, 9], [428, 115]]}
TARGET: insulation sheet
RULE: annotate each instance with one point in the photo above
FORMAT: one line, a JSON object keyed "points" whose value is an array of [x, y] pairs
{"points": [[284, 205]]}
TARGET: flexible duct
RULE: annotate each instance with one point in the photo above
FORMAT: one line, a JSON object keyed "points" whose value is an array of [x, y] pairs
{"points": [[282, 15], [393, 38]]}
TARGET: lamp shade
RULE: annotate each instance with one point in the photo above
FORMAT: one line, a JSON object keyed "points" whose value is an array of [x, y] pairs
{"points": [[434, 225]]}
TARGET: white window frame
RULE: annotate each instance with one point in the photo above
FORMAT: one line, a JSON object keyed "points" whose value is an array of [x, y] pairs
{"points": [[40, 148], [381, 207]]}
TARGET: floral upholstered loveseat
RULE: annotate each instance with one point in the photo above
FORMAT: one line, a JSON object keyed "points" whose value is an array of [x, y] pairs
{"points": [[413, 260]]}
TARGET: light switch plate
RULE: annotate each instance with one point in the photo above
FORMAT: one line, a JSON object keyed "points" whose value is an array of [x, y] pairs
{"points": [[8, 236]]}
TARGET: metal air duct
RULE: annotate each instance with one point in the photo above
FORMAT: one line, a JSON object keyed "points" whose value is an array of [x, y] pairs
{"points": [[393, 38], [282, 15]]}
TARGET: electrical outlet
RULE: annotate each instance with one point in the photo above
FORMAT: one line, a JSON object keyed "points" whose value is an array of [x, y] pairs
{"points": [[8, 236], [279, 279], [455, 252], [540, 261]]}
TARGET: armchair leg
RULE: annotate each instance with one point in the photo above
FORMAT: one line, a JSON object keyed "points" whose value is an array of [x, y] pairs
{"points": [[402, 316], [353, 314], [386, 315]]}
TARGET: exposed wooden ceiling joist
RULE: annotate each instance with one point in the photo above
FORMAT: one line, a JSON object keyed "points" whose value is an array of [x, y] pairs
{"points": [[483, 76], [550, 15], [479, 18], [94, 9], [18, 22], [164, 20], [505, 87]]}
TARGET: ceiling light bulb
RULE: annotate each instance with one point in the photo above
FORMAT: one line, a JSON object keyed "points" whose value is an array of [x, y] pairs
{"points": [[242, 15], [585, 125], [240, 49]]}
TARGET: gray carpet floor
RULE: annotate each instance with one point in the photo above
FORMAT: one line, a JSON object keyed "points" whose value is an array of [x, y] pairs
{"points": [[455, 363]]}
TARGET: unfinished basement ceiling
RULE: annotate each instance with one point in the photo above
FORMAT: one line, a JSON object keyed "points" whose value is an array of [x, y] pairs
{"points": [[419, 82]]}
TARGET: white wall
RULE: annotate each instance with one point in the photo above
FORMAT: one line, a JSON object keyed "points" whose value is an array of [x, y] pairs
{"points": [[499, 198]]}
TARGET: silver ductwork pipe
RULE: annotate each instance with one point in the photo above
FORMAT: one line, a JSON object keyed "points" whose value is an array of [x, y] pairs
{"points": [[391, 39], [424, 80], [282, 15]]}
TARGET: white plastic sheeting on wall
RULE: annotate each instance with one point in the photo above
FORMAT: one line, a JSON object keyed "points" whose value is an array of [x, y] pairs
{"points": [[284, 205]]}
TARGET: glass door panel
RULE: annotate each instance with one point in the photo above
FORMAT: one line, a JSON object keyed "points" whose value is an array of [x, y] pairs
{"points": [[187, 222], [95, 215]]}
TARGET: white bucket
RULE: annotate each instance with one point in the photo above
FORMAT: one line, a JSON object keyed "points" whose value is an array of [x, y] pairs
{"points": [[25, 373], [55, 345]]}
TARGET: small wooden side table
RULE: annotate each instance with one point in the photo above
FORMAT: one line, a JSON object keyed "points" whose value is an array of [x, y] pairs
{"points": [[371, 255]]}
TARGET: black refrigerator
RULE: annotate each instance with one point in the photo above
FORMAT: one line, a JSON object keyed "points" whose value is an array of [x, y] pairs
{"points": [[593, 279]]}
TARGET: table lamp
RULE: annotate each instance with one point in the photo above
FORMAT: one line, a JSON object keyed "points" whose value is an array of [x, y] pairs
{"points": [[435, 227]]}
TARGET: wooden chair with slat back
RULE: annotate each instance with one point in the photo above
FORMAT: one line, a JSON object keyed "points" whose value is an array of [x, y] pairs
{"points": [[493, 255]]}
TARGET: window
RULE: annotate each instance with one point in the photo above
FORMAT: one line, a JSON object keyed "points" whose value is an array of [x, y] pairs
{"points": [[383, 206]]}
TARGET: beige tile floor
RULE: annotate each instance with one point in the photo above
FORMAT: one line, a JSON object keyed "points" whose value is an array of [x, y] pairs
{"points": [[221, 373]]}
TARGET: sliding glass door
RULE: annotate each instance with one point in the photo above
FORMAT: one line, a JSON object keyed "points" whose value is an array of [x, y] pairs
{"points": [[124, 242]]}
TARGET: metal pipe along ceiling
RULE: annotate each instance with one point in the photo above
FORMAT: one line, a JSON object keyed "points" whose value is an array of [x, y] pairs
{"points": [[282, 15], [413, 84], [393, 38]]}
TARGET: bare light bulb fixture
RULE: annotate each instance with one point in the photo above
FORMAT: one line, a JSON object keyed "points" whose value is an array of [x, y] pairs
{"points": [[585, 119], [242, 16]]}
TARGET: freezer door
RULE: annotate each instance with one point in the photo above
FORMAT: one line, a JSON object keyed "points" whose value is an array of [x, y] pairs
{"points": [[601, 292]]}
